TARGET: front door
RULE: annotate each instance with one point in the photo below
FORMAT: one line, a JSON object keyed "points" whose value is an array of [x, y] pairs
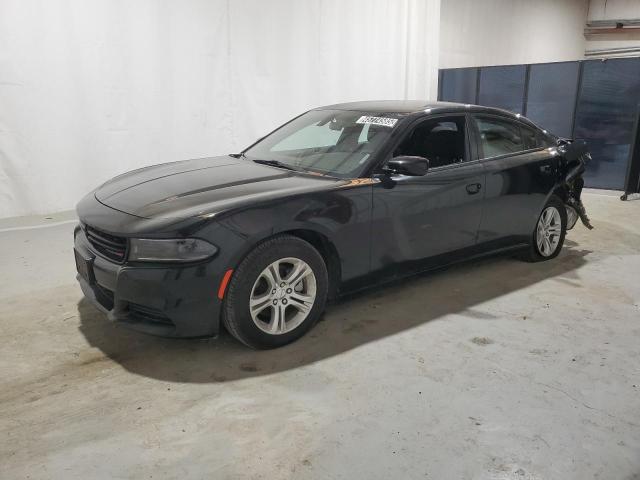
{"points": [[418, 218]]}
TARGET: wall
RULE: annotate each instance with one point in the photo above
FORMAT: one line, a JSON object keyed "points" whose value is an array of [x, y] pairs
{"points": [[502, 32], [613, 10], [92, 89], [592, 100]]}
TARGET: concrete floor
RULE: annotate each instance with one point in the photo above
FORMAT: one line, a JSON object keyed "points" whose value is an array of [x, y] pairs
{"points": [[492, 370]]}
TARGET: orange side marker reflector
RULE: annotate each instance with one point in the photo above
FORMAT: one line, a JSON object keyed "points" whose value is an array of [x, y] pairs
{"points": [[224, 282]]}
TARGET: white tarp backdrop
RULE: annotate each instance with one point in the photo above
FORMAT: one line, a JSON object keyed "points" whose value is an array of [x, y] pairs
{"points": [[90, 89]]}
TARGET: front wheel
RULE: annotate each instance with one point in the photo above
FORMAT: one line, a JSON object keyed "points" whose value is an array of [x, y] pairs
{"points": [[277, 293], [548, 235]]}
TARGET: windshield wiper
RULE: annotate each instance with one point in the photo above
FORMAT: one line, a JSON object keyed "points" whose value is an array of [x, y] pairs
{"points": [[276, 163]]}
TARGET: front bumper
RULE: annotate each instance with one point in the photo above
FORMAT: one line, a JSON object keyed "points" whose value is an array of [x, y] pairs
{"points": [[173, 301]]}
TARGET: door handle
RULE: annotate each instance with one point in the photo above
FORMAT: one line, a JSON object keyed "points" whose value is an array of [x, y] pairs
{"points": [[545, 168], [473, 188]]}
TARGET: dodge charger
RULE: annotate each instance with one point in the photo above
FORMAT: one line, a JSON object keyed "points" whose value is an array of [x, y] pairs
{"points": [[340, 198]]}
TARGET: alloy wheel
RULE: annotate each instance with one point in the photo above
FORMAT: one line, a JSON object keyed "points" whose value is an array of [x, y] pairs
{"points": [[282, 296], [548, 231]]}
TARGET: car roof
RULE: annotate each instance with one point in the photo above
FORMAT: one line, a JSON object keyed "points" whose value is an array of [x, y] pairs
{"points": [[421, 106], [389, 106]]}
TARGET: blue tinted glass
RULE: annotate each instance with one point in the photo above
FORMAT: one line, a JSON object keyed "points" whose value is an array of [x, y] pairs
{"points": [[552, 95], [502, 87], [459, 85], [605, 117]]}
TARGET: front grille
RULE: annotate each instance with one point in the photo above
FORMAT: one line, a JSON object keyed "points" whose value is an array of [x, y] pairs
{"points": [[149, 315], [110, 246]]}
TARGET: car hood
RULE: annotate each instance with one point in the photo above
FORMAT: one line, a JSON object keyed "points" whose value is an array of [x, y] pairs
{"points": [[203, 186]]}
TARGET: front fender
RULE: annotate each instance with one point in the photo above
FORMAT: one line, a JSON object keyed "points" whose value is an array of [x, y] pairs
{"points": [[343, 217]]}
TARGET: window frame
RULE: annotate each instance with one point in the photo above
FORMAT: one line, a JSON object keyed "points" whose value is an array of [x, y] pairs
{"points": [[514, 121]]}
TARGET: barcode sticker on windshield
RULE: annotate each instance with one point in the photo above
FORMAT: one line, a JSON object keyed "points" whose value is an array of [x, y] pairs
{"points": [[385, 122]]}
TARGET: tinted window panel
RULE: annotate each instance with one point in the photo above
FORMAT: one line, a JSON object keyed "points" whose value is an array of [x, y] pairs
{"points": [[459, 85], [502, 87], [551, 96], [498, 137], [605, 118], [441, 140]]}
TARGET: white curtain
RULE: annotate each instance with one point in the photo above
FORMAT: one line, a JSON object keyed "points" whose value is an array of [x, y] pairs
{"points": [[93, 88]]}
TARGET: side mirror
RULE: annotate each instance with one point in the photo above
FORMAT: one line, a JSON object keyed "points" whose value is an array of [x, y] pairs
{"points": [[408, 165]]}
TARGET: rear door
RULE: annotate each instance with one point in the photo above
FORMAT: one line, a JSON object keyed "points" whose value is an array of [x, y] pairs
{"points": [[520, 173], [417, 218]]}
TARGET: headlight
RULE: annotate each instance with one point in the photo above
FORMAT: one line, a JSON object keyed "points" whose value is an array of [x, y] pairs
{"points": [[173, 250]]}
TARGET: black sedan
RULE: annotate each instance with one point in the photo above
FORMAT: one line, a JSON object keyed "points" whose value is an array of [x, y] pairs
{"points": [[339, 198]]}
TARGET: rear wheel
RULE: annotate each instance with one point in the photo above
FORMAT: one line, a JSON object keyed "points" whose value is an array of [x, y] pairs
{"points": [[277, 293], [548, 235]]}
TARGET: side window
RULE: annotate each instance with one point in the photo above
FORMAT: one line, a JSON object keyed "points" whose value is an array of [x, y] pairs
{"points": [[498, 137], [441, 141], [530, 138]]}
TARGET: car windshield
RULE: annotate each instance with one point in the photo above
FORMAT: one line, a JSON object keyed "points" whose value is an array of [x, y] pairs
{"points": [[336, 143]]}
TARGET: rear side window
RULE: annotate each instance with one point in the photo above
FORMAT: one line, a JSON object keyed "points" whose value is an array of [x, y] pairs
{"points": [[498, 137]]}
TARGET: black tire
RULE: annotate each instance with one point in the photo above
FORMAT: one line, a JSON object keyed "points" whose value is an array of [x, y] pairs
{"points": [[534, 254], [236, 314]]}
